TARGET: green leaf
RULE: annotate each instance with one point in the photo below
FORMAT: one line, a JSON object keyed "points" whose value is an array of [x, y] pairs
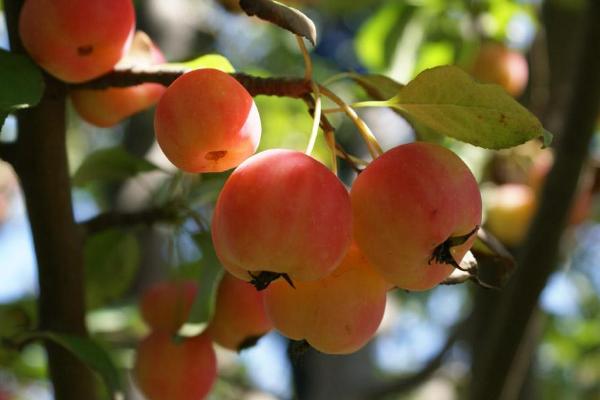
{"points": [[21, 81], [210, 274], [379, 87], [89, 352], [215, 61], [112, 259], [112, 164], [448, 101]]}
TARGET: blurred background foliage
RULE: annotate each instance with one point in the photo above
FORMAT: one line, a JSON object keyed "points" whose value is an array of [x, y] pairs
{"points": [[397, 38]]}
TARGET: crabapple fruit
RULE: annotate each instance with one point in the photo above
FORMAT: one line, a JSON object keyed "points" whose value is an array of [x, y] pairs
{"points": [[107, 107], [509, 211], [168, 370], [165, 306], [77, 40], [239, 319], [281, 212], [495, 63], [337, 314], [206, 121], [416, 209]]}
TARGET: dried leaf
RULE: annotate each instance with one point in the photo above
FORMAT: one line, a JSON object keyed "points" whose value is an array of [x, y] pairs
{"points": [[283, 16]]}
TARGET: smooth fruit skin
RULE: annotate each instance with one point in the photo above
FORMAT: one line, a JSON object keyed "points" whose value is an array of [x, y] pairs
{"points": [[107, 107], [166, 370], [495, 63], [509, 212], [406, 203], [282, 211], [338, 314], [239, 317], [77, 40], [207, 122], [165, 306]]}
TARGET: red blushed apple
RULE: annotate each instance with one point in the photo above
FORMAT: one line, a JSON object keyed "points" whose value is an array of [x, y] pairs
{"points": [[207, 122], [408, 205], [496, 63], [77, 40], [282, 212], [167, 369], [239, 319], [337, 314], [105, 108], [165, 306]]}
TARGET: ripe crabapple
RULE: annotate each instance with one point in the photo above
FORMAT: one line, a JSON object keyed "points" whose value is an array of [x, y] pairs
{"points": [[337, 314], [77, 40], [413, 207], [495, 63], [165, 369], [239, 319], [207, 122], [107, 107], [165, 306], [282, 212]]}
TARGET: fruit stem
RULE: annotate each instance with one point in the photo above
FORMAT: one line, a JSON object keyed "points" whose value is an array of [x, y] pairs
{"points": [[308, 69], [364, 130]]}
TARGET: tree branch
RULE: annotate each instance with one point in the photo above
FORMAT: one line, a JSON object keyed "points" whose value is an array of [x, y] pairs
{"points": [[406, 383], [540, 253], [113, 219], [40, 161], [282, 86]]}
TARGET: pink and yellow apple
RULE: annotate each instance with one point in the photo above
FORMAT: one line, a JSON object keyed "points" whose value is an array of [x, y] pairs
{"points": [[107, 107], [77, 40], [239, 319], [207, 122], [407, 205], [337, 314], [282, 212], [496, 63], [169, 369], [165, 306]]}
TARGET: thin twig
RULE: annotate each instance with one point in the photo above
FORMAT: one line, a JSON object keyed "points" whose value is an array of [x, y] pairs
{"points": [[280, 86], [113, 219], [406, 383]]}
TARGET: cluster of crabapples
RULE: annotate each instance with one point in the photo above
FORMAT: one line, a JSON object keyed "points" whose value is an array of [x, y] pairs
{"points": [[303, 254]]}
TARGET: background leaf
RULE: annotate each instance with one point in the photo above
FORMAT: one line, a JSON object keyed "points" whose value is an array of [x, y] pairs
{"points": [[215, 61], [112, 164], [210, 274], [112, 259], [448, 101], [21, 81], [89, 352]]}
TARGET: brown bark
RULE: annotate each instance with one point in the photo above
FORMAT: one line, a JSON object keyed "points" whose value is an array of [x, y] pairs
{"points": [[539, 255], [40, 160]]}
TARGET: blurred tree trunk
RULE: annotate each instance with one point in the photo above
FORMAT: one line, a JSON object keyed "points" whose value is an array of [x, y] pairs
{"points": [[505, 326]]}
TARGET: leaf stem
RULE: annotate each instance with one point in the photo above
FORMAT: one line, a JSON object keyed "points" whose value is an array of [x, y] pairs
{"points": [[372, 145]]}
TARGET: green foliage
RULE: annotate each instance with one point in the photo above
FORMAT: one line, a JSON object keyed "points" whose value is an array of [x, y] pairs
{"points": [[108, 165], [89, 352], [208, 280], [112, 259], [449, 102], [215, 61], [21, 81]]}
